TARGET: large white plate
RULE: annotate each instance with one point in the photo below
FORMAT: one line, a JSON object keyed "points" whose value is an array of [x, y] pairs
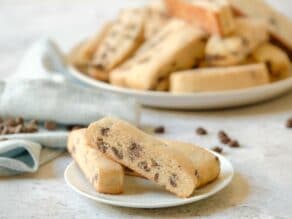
{"points": [[203, 100], [141, 193]]}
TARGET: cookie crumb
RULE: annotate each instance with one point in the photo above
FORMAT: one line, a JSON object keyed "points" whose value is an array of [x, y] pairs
{"points": [[201, 131], [218, 149], [159, 130]]}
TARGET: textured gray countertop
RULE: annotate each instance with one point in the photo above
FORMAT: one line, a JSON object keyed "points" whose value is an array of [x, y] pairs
{"points": [[262, 184]]}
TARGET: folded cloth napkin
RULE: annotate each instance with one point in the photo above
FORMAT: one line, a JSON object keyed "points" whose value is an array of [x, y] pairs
{"points": [[42, 89]]}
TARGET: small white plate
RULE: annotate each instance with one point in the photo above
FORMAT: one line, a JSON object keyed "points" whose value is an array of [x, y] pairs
{"points": [[200, 100], [142, 193]]}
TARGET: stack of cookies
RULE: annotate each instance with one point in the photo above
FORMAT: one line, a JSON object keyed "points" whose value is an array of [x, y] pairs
{"points": [[190, 46], [110, 148]]}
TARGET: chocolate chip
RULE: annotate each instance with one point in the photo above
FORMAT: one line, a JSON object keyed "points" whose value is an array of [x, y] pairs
{"points": [[134, 150], [144, 165], [50, 125], [223, 137], [201, 131], [289, 123], [216, 158], [117, 153], [244, 41], [197, 173], [3, 139], [173, 180], [99, 66], [156, 177], [234, 144], [154, 163], [101, 145], [217, 149], [104, 131], [159, 130], [269, 65], [222, 134]]}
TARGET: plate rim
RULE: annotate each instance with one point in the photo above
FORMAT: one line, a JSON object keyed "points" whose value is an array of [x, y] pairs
{"points": [[182, 201], [102, 85]]}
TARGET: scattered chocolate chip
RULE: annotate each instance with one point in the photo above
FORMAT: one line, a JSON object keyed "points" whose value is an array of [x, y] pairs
{"points": [[144, 165], [117, 153], [156, 177], [104, 131], [159, 130], [201, 131], [216, 158], [173, 180], [289, 123], [134, 150], [222, 134], [3, 139], [217, 149], [234, 144], [50, 125], [223, 137]]}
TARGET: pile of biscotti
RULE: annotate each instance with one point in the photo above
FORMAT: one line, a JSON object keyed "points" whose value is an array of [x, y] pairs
{"points": [[110, 148], [190, 46]]}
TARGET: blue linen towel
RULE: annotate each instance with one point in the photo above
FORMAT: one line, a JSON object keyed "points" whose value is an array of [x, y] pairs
{"points": [[42, 89]]}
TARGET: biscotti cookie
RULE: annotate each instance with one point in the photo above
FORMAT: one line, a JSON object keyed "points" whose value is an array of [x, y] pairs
{"points": [[219, 78], [143, 153], [105, 175], [213, 16], [177, 46], [279, 25], [121, 41], [82, 54], [276, 59], [156, 20], [206, 165], [233, 50]]}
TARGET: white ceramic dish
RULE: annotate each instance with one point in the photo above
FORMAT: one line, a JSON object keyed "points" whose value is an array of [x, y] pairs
{"points": [[141, 193], [204, 100]]}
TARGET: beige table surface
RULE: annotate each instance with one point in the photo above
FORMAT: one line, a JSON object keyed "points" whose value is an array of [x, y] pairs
{"points": [[262, 184]]}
